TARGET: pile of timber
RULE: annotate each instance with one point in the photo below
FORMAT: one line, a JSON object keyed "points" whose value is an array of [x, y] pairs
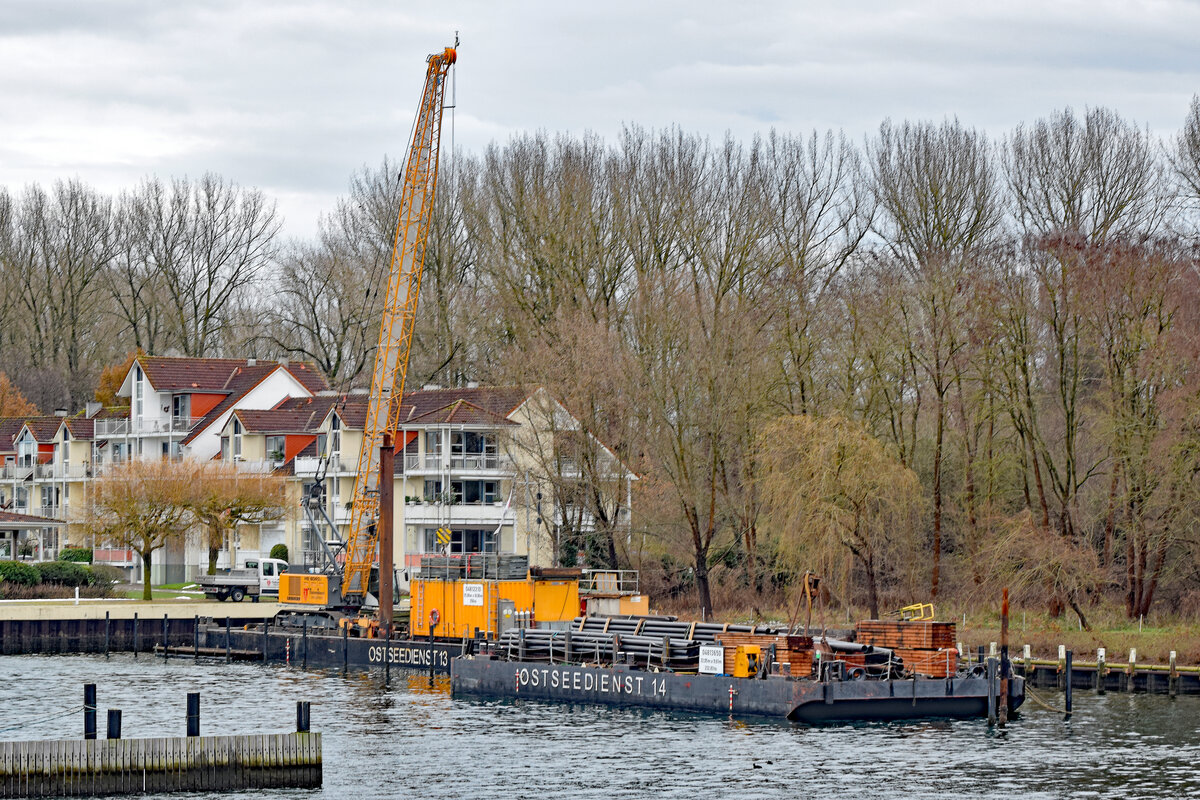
{"points": [[926, 648], [796, 651]]}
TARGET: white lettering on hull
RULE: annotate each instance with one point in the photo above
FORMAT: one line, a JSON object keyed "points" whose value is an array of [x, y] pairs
{"points": [[408, 656], [568, 681]]}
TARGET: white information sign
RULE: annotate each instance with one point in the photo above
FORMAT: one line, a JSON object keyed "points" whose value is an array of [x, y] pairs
{"points": [[472, 594], [712, 659]]}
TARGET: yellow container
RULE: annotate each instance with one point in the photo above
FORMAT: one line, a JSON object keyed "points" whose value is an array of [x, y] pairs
{"points": [[457, 607], [746, 660], [303, 589]]}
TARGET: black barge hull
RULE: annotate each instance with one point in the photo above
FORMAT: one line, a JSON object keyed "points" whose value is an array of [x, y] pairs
{"points": [[313, 650], [798, 700]]}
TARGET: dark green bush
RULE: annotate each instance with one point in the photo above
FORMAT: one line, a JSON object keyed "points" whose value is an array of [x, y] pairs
{"points": [[22, 574], [82, 555], [279, 551], [64, 573]]}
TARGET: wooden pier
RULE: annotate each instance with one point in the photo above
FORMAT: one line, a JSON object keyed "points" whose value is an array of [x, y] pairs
{"points": [[74, 767]]}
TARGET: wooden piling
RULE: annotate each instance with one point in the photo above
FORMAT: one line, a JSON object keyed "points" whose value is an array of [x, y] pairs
{"points": [[1101, 671], [1069, 659], [155, 766]]}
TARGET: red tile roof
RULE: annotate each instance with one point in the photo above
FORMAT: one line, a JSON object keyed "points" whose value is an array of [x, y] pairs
{"points": [[25, 520], [460, 412], [244, 377], [44, 429], [275, 420], [81, 427], [216, 374]]}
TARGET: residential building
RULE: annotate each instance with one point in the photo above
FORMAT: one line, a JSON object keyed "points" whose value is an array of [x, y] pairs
{"points": [[471, 472], [177, 407]]}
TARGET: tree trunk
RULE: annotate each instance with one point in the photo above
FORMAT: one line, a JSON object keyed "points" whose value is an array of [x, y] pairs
{"points": [[146, 558], [706, 608], [937, 501]]}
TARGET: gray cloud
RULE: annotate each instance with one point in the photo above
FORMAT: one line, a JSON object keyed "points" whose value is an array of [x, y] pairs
{"points": [[293, 96]]}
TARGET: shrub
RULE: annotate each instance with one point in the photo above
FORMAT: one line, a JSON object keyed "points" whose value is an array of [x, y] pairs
{"points": [[104, 575], [82, 555], [18, 573], [64, 573], [280, 551]]}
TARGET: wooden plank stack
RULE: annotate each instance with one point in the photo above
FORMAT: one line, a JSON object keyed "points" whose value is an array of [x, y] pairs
{"points": [[927, 648], [796, 651]]}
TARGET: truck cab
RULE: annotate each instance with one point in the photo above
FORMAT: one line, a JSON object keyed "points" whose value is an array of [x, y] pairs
{"points": [[269, 570]]}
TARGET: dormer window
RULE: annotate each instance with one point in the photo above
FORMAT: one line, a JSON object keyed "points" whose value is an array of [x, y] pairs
{"points": [[237, 438], [335, 437], [137, 390]]}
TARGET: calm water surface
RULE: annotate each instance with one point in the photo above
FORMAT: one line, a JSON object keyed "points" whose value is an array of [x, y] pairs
{"points": [[414, 740]]}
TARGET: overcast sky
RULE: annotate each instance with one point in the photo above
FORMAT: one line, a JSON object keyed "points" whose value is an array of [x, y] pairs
{"points": [[291, 97]]}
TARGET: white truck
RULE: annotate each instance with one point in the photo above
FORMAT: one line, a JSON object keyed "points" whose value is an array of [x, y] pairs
{"points": [[258, 576]]}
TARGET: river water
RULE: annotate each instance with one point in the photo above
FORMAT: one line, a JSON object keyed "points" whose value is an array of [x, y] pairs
{"points": [[414, 740]]}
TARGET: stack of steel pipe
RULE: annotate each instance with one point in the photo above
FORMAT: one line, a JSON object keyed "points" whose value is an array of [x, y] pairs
{"points": [[650, 626], [682, 655]]}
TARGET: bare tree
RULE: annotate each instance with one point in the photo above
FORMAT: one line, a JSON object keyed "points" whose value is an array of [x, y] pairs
{"points": [[207, 242], [939, 206]]}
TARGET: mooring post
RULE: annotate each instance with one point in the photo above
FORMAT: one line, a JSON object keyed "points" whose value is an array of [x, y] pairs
{"points": [[982, 657], [387, 658], [226, 640], [193, 714], [303, 716], [431, 627], [1172, 676], [114, 723], [1129, 678], [107, 626], [304, 642], [991, 691], [346, 649], [166, 631], [136, 636], [196, 637], [1003, 714], [1101, 670], [1069, 660], [1062, 664], [89, 711], [1026, 657]]}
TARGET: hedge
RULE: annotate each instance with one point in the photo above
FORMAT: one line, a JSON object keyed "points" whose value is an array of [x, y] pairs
{"points": [[16, 572], [82, 555], [279, 551], [64, 573]]}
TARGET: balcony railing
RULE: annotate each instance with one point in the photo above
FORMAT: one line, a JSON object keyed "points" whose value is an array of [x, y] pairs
{"points": [[125, 427], [476, 461], [308, 465]]}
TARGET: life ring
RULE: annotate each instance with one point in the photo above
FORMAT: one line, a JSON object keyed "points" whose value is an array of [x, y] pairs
{"points": [[434, 618]]}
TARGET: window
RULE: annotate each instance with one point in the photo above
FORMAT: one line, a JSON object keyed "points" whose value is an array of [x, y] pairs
{"points": [[335, 436], [268, 569], [475, 492], [432, 490], [473, 450], [224, 448], [462, 540], [276, 447], [137, 390], [237, 438], [322, 440], [166, 450], [433, 449], [26, 450], [181, 409]]}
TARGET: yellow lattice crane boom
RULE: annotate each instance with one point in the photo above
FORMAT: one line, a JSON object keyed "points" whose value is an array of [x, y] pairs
{"points": [[399, 316]]}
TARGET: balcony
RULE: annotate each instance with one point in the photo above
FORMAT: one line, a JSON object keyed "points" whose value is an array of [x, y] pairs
{"points": [[49, 512], [127, 427], [459, 462], [308, 466], [477, 461], [484, 514]]}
